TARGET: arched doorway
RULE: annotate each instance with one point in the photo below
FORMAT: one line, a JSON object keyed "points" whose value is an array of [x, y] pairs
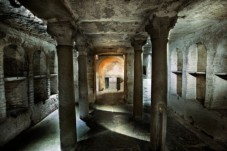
{"points": [[110, 79]]}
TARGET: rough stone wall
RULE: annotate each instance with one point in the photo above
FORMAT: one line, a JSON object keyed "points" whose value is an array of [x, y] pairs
{"points": [[18, 90], [203, 115], [42, 109], [12, 127], [54, 84], [16, 93]]}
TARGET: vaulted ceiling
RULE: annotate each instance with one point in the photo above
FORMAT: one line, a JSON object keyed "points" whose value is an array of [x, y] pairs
{"points": [[113, 23]]}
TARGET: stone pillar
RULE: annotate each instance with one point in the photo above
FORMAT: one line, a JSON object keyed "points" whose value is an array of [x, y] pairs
{"points": [[83, 84], [2, 88], [138, 79], [90, 76], [159, 29], [62, 32], [147, 52], [129, 80]]}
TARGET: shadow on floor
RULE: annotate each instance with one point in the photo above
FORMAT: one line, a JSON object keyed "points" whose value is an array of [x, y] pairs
{"points": [[111, 128], [107, 140]]}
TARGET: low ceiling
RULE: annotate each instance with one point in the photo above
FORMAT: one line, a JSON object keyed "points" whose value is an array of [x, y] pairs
{"points": [[198, 16], [113, 23]]}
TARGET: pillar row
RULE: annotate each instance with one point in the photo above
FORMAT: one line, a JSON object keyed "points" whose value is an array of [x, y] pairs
{"points": [[62, 33], [158, 29]]}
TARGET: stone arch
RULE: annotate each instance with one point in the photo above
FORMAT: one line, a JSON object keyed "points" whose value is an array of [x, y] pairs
{"points": [[15, 61], [39, 63], [111, 67]]}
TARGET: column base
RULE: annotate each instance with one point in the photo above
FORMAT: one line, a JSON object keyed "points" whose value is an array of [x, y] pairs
{"points": [[138, 118], [87, 118]]}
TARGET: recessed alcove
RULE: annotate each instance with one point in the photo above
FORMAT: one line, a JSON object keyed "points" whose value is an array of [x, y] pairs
{"points": [[222, 75], [15, 77], [196, 72], [176, 71], [40, 76], [219, 100]]}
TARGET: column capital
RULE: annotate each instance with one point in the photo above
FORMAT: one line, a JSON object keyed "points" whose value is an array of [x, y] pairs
{"points": [[80, 39], [81, 43], [137, 44], [159, 27], [83, 53], [82, 49], [62, 32]]}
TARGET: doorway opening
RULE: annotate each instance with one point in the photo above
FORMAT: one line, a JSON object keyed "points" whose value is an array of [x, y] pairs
{"points": [[110, 79]]}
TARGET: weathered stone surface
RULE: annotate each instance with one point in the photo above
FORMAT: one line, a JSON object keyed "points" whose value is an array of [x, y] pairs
{"points": [[109, 27], [16, 93], [200, 51], [62, 32], [18, 111], [23, 20], [13, 126]]}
